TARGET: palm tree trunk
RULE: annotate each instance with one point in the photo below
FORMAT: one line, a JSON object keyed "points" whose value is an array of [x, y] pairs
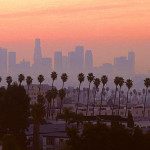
{"points": [[47, 111], [78, 99], [119, 101], [101, 100], [61, 106], [52, 84], [50, 108], [40, 88], [63, 85], [36, 129], [88, 100], [94, 102], [145, 102], [53, 109], [114, 101], [127, 102]]}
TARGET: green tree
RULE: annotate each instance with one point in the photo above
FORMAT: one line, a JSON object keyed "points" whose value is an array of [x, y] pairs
{"points": [[64, 78], [97, 82], [21, 78], [37, 113], [40, 80], [129, 84], [90, 78], [53, 77], [80, 79], [62, 94], [104, 80], [9, 80], [147, 85]]}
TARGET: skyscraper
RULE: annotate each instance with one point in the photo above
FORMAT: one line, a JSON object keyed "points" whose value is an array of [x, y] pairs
{"points": [[58, 61], [37, 52], [131, 60], [72, 61], [65, 63], [79, 57], [88, 60], [3, 61], [11, 62]]}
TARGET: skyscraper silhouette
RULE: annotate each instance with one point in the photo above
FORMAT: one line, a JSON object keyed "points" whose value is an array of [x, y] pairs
{"points": [[58, 61], [3, 61], [37, 52], [88, 60], [12, 62], [131, 59]]}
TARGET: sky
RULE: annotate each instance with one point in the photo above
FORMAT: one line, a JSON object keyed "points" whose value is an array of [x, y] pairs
{"points": [[110, 28]]}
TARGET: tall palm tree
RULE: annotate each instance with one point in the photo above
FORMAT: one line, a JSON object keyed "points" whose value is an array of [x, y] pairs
{"points": [[139, 94], [64, 78], [9, 80], [116, 81], [29, 81], [104, 80], [53, 77], [49, 97], [21, 78], [129, 84], [121, 82], [0, 79], [147, 85], [62, 94], [97, 82], [37, 113], [40, 80], [54, 95], [80, 79], [90, 78]]}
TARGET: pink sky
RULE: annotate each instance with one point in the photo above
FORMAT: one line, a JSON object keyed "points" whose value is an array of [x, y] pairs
{"points": [[109, 28]]}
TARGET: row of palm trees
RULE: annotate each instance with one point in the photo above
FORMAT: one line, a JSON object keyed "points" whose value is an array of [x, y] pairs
{"points": [[52, 94]]}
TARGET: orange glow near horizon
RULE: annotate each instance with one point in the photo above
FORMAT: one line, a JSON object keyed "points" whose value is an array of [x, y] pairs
{"points": [[117, 26]]}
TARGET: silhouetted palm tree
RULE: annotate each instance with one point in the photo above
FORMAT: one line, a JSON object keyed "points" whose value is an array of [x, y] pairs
{"points": [[64, 78], [90, 78], [9, 80], [0, 79], [147, 85], [40, 80], [104, 80], [49, 97], [53, 77], [139, 94], [80, 79], [62, 94], [37, 113], [131, 94], [29, 81], [121, 82], [21, 78], [97, 82], [116, 81], [129, 84]]}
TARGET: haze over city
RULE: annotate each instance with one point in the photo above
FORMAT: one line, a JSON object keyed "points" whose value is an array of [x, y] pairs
{"points": [[109, 28]]}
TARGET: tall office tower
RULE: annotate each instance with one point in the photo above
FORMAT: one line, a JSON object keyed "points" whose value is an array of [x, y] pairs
{"points": [[65, 63], [58, 61], [80, 57], [72, 62], [3, 61], [37, 52], [11, 62], [88, 60], [131, 60], [46, 65]]}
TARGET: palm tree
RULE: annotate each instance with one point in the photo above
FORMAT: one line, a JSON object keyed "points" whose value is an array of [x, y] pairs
{"points": [[37, 113], [129, 84], [90, 78], [0, 79], [40, 80], [116, 81], [104, 80], [147, 85], [64, 78], [49, 97], [21, 78], [139, 94], [9, 80], [121, 82], [97, 82], [29, 81], [80, 79], [131, 94], [62, 94], [53, 77], [54, 95]]}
